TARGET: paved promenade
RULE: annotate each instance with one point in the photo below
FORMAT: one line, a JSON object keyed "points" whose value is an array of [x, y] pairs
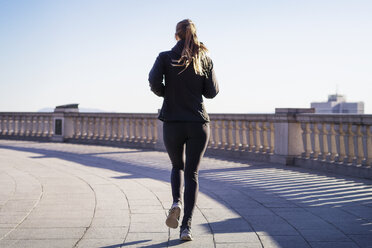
{"points": [[68, 195]]}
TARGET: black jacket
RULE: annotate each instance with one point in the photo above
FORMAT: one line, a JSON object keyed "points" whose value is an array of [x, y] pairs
{"points": [[182, 92]]}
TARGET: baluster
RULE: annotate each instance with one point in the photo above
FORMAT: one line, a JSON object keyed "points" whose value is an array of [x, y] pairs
{"points": [[244, 136], [156, 134], [27, 125], [146, 130], [32, 126], [230, 139], [272, 138], [341, 142], [217, 138], [117, 129], [114, 129], [81, 127], [360, 151], [7, 127], [112, 133], [369, 145], [143, 130], [324, 147], [131, 129], [20, 127], [102, 128], [89, 128], [108, 128], [36, 126], [307, 142], [266, 148], [3, 125], [149, 136], [96, 124], [42, 126], [332, 144], [258, 136], [223, 135], [250, 135], [137, 130], [86, 127], [48, 126], [350, 141], [125, 129], [11, 125], [15, 125], [120, 130], [154, 130], [316, 142], [238, 135]]}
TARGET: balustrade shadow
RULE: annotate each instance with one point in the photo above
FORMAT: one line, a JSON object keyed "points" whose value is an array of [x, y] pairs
{"points": [[256, 192]]}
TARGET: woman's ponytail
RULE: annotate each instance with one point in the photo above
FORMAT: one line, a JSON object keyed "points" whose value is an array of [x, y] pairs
{"points": [[193, 51]]}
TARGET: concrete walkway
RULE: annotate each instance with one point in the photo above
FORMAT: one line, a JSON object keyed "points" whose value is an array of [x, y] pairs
{"points": [[68, 195]]}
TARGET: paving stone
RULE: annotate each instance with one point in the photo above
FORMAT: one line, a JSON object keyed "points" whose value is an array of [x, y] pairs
{"points": [[309, 224], [106, 233], [40, 243], [324, 235], [364, 241], [55, 223], [230, 225], [238, 245], [333, 244], [284, 241], [46, 233], [275, 229], [100, 243], [239, 237], [199, 241]]}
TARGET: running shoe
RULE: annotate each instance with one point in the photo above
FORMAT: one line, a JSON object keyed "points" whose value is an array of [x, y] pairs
{"points": [[174, 215]]}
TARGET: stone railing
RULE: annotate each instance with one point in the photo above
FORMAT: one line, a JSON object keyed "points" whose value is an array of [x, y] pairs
{"points": [[32, 125], [298, 137], [333, 141], [242, 135], [138, 130]]}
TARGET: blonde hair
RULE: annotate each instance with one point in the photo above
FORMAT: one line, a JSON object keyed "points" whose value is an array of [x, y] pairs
{"points": [[193, 51]]}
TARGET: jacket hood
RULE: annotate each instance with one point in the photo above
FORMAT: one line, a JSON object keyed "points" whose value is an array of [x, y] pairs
{"points": [[178, 47]]}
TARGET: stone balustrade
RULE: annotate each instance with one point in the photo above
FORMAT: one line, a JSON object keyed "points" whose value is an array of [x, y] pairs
{"points": [[37, 125], [290, 136], [336, 139], [140, 130]]}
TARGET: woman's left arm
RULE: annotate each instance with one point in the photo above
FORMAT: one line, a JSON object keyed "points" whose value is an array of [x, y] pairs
{"points": [[156, 76]]}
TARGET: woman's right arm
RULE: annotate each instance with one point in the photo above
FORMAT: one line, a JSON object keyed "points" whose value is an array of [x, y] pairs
{"points": [[210, 87], [156, 76]]}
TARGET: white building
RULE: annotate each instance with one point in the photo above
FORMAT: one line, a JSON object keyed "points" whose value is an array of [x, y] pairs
{"points": [[337, 104]]}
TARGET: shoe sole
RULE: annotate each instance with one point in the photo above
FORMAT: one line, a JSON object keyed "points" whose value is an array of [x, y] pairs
{"points": [[186, 238], [173, 217]]}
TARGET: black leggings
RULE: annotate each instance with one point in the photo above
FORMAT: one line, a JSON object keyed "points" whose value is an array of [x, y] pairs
{"points": [[185, 139]]}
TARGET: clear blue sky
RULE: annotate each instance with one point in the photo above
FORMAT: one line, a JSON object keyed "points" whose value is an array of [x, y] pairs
{"points": [[267, 54]]}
